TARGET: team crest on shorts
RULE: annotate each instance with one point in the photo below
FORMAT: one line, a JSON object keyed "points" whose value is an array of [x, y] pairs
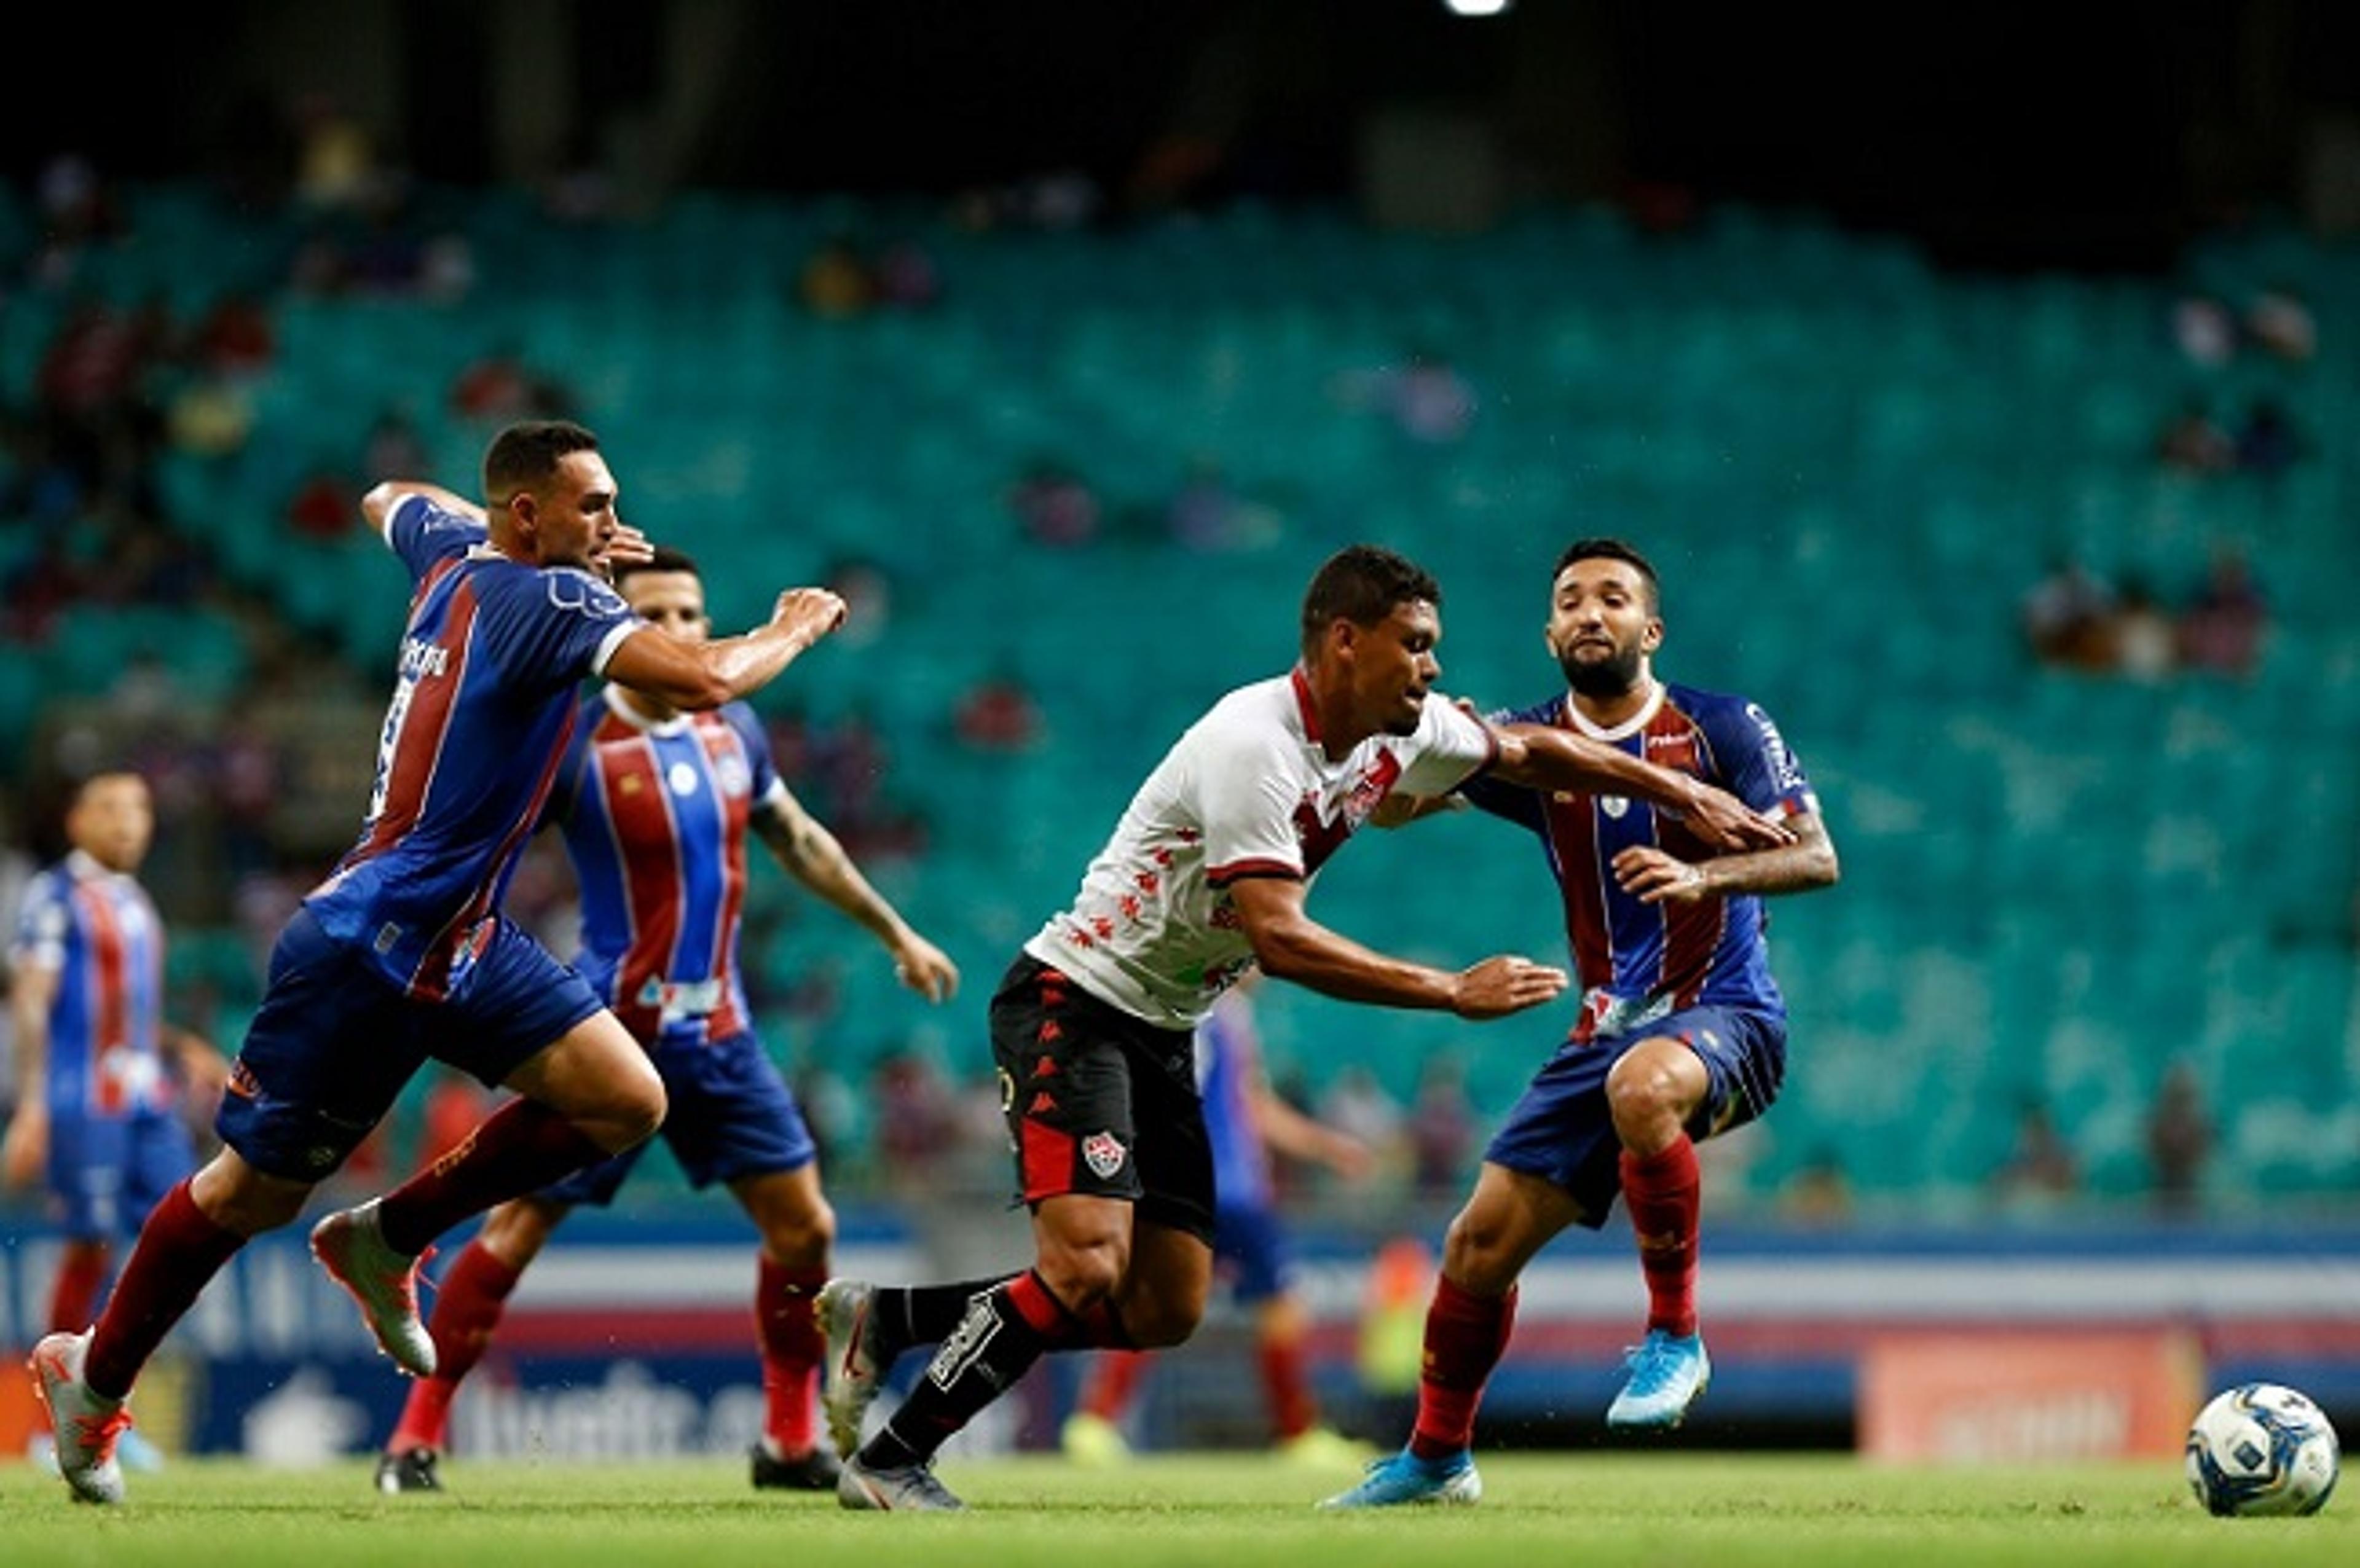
{"points": [[1105, 1154]]}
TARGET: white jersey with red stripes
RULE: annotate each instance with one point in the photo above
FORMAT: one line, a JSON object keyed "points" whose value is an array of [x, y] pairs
{"points": [[1249, 791]]}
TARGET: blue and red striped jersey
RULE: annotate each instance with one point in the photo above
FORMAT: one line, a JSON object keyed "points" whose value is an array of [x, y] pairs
{"points": [[1634, 960], [482, 702], [1229, 1071], [97, 930], [655, 817]]}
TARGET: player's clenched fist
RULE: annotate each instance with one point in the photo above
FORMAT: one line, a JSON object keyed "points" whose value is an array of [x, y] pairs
{"points": [[1498, 986], [814, 612]]}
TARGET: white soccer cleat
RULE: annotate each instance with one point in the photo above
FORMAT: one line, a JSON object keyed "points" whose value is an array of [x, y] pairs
{"points": [[352, 1249], [87, 1425], [1669, 1373], [855, 1369], [911, 1488]]}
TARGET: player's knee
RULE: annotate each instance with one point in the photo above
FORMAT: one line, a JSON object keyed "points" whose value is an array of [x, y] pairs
{"points": [[1164, 1320], [801, 1239], [626, 1115], [1640, 1092], [1477, 1252], [1083, 1274]]}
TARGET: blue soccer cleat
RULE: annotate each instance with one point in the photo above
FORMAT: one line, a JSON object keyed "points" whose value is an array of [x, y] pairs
{"points": [[1403, 1478], [1669, 1373]]}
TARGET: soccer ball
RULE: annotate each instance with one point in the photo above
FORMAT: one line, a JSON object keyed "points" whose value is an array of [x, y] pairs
{"points": [[2260, 1450]]}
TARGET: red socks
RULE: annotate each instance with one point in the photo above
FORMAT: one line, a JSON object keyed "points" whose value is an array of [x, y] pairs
{"points": [[179, 1252], [1286, 1385], [1115, 1383], [786, 1321], [468, 1304], [1464, 1334], [521, 1148], [82, 1268], [1663, 1192]]}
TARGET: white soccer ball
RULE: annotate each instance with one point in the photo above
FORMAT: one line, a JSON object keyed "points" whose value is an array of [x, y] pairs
{"points": [[2261, 1450]]}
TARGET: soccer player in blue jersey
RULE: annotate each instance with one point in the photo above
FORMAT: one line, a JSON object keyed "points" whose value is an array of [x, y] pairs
{"points": [[100, 1074], [1245, 1120], [656, 806], [403, 953], [1682, 1033]]}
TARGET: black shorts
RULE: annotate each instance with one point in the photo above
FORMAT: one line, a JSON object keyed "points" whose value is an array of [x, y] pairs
{"points": [[1099, 1103]]}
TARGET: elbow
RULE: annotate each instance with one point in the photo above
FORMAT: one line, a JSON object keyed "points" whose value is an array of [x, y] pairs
{"points": [[378, 504], [1829, 869], [702, 695]]}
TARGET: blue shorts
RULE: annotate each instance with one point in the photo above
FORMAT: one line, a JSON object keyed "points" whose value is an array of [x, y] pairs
{"points": [[108, 1171], [1561, 1131], [334, 1041], [731, 1116], [1251, 1248]]}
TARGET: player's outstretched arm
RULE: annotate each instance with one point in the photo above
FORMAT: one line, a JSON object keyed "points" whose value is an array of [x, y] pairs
{"points": [[816, 858], [1540, 758], [700, 675], [378, 504], [1299, 1136], [1291, 945], [1807, 863]]}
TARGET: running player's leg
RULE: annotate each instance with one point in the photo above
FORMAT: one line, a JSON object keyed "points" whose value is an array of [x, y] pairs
{"points": [[1695, 1073], [798, 1231], [470, 1299]]}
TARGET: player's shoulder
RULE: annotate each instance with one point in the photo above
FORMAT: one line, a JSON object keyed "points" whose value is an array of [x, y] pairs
{"points": [[1714, 708], [1549, 710], [1262, 711]]}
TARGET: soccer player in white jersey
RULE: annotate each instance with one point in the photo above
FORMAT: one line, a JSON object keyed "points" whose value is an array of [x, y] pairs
{"points": [[1204, 877]]}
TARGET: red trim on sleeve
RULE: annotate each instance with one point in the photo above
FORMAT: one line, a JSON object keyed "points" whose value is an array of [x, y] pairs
{"points": [[1303, 704], [1238, 870]]}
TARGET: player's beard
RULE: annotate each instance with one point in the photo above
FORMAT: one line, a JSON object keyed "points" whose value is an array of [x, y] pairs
{"points": [[1610, 677]]}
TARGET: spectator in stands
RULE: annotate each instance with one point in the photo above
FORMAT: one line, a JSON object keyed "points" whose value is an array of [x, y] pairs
{"points": [[867, 590], [1426, 396], [2178, 1141], [500, 388], [998, 714], [2068, 616], [917, 1121], [1207, 513], [2223, 627], [2145, 642], [2267, 442], [2280, 322], [393, 448], [235, 338], [1055, 504], [2192, 442], [1357, 1105], [2042, 1167], [323, 504], [1442, 1127], [2205, 330], [836, 282], [1818, 1192], [907, 277]]}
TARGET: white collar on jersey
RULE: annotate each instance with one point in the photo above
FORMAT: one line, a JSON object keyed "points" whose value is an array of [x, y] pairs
{"points": [[85, 867], [639, 721], [1628, 727]]}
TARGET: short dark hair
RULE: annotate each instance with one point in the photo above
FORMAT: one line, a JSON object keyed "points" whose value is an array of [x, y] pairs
{"points": [[527, 453], [665, 559], [1614, 550], [1362, 583]]}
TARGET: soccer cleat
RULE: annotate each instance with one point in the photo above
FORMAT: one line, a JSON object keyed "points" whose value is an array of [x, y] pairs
{"points": [[87, 1425], [385, 1282], [1668, 1374], [813, 1470], [412, 1470], [911, 1488], [856, 1365], [1324, 1448], [1093, 1441], [1404, 1478]]}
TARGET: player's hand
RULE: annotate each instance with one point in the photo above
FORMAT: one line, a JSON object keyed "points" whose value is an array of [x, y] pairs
{"points": [[1498, 986], [1655, 877], [1348, 1157], [926, 968], [25, 1151], [628, 547], [811, 611], [1728, 823]]}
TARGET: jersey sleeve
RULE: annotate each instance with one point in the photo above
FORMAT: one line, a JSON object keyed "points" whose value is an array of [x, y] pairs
{"points": [[1755, 763], [1448, 749], [768, 788], [1246, 807], [1496, 796], [558, 625], [423, 533], [42, 922]]}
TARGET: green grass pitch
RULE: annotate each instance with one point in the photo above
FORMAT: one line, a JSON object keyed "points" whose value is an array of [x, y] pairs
{"points": [[1708, 1510]]}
